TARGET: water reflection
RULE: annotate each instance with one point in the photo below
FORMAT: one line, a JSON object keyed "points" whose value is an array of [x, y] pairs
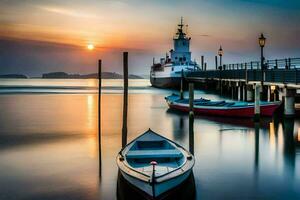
{"points": [[126, 191], [289, 147], [58, 135], [91, 112], [256, 153], [179, 128]]}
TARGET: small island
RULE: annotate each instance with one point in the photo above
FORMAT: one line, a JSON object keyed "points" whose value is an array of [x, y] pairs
{"points": [[105, 75], [13, 76]]}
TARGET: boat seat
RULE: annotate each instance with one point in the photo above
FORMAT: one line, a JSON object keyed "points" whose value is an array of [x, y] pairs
{"points": [[216, 103], [165, 153]]}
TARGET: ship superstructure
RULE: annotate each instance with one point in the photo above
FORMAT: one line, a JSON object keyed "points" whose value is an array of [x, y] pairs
{"points": [[167, 73]]}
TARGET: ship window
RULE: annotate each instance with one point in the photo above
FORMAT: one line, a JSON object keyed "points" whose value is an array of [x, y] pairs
{"points": [[184, 58], [176, 58], [183, 43], [180, 59]]}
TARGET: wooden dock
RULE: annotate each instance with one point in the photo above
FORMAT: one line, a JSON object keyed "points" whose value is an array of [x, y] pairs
{"points": [[277, 80]]}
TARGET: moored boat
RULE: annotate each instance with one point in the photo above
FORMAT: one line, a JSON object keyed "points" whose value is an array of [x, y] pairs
{"points": [[168, 72], [154, 164], [222, 108]]}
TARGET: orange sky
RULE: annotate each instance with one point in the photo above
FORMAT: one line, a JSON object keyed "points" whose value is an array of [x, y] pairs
{"points": [[147, 27]]}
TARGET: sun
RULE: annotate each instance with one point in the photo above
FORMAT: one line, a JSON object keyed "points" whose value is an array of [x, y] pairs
{"points": [[90, 46]]}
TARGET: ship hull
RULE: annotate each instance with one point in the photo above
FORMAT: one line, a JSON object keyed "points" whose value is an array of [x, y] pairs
{"points": [[267, 110], [166, 82]]}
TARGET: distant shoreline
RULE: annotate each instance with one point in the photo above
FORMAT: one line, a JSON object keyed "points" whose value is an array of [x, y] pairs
{"points": [[64, 75]]}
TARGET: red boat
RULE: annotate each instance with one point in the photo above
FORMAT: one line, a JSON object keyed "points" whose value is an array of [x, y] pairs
{"points": [[222, 108]]}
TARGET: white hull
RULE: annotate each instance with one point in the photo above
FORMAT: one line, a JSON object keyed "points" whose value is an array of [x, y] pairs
{"points": [[172, 71], [170, 77], [160, 188], [173, 164]]}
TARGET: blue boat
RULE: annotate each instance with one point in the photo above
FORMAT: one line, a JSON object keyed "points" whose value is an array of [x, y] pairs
{"points": [[154, 164]]}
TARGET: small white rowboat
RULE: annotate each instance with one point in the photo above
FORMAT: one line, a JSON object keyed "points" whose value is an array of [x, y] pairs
{"points": [[154, 164]]}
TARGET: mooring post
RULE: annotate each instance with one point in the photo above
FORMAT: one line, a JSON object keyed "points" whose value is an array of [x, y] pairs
{"points": [[269, 93], [216, 62], [125, 99], [205, 65], [181, 85], [249, 93], [289, 102], [202, 62], [99, 114], [191, 118], [257, 103]]}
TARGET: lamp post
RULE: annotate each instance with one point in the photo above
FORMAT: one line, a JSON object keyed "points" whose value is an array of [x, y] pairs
{"points": [[220, 53], [262, 42]]}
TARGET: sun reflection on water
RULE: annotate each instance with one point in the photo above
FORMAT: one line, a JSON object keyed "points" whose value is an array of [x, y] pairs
{"points": [[272, 136], [91, 112]]}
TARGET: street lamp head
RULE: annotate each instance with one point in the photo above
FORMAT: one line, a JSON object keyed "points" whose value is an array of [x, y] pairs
{"points": [[220, 52], [262, 40]]}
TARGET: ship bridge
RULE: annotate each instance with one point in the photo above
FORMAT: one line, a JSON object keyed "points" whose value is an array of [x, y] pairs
{"points": [[181, 53]]}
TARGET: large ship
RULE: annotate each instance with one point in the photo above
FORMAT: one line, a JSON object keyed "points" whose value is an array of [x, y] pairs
{"points": [[168, 72]]}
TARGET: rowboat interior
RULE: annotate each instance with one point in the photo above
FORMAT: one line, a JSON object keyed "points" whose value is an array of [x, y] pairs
{"points": [[165, 154]]}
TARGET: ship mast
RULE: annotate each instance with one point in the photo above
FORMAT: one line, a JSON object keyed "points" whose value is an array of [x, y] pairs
{"points": [[180, 34]]}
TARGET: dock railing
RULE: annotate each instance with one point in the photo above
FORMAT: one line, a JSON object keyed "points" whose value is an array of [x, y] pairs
{"points": [[276, 71]]}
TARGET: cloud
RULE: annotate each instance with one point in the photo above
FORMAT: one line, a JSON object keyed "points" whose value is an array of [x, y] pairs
{"points": [[67, 12], [201, 35]]}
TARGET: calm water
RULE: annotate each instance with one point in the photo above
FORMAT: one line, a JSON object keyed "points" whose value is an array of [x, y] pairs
{"points": [[49, 149]]}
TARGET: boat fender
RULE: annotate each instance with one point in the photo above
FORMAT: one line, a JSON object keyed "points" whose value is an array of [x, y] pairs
{"points": [[121, 158], [189, 157]]}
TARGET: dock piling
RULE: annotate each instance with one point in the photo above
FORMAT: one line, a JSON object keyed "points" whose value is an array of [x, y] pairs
{"points": [[181, 85], [257, 102], [216, 62], [191, 118], [99, 114], [202, 62], [249, 93], [289, 102], [125, 99]]}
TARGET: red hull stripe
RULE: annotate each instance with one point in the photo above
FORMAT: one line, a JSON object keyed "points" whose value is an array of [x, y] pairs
{"points": [[267, 110]]}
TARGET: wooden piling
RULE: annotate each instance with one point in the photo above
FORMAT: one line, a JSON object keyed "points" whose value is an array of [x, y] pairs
{"points": [[191, 118], [99, 114], [125, 99], [205, 65], [181, 85], [202, 62], [289, 102], [257, 103], [216, 62]]}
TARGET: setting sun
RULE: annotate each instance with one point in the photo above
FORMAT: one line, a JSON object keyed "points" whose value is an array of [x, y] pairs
{"points": [[90, 46]]}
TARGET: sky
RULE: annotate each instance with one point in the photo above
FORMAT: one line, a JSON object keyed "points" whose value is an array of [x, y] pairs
{"points": [[39, 36]]}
